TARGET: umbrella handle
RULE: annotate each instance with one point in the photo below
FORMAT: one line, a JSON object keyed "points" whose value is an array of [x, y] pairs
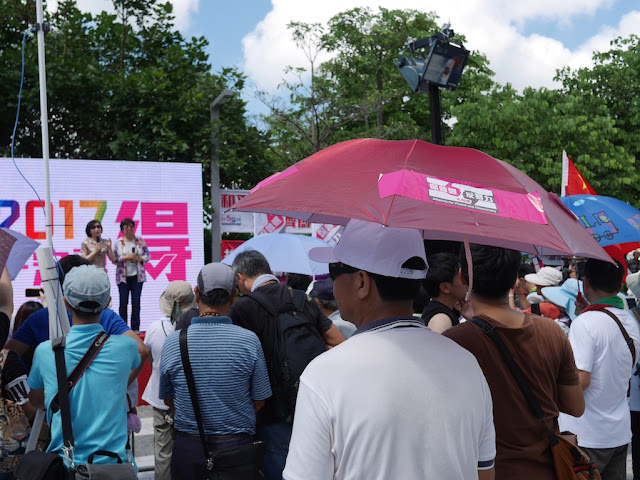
{"points": [[467, 253]]}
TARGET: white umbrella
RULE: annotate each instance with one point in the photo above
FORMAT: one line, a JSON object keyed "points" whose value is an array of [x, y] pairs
{"points": [[285, 252]]}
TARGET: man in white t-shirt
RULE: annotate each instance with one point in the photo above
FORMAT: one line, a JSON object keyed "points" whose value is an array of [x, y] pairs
{"points": [[396, 400], [605, 364]]}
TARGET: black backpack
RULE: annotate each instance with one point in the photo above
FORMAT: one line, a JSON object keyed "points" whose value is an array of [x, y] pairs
{"points": [[297, 342]]}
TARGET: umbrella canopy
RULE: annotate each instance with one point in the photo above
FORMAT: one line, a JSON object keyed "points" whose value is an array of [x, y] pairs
{"points": [[610, 221], [15, 250], [285, 252], [449, 193]]}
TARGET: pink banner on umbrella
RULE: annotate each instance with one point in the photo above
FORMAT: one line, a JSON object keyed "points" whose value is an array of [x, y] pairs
{"points": [[526, 207]]}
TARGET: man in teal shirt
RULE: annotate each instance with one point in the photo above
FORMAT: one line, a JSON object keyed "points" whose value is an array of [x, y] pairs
{"points": [[98, 405]]}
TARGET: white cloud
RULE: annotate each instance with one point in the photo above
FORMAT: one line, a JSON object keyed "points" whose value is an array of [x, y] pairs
{"points": [[182, 9], [492, 27]]}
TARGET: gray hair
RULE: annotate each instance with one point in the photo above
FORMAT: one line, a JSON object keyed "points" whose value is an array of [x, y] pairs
{"points": [[251, 263], [330, 305]]}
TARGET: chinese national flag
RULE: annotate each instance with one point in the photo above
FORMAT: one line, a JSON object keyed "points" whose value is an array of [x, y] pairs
{"points": [[573, 183]]}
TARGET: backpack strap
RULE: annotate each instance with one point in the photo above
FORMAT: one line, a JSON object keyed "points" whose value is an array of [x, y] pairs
{"points": [[264, 301], [627, 338], [298, 298]]}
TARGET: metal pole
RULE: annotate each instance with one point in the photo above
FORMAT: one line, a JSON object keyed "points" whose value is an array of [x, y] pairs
{"points": [[436, 116], [44, 121], [216, 236]]}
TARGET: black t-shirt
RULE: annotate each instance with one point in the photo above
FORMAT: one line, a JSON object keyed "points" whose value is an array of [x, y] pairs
{"points": [[13, 368], [434, 307], [249, 314]]}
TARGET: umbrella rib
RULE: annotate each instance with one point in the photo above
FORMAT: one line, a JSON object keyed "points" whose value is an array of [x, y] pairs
{"points": [[393, 198]]}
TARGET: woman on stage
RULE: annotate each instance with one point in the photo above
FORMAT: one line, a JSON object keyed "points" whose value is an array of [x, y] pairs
{"points": [[95, 248], [131, 254]]}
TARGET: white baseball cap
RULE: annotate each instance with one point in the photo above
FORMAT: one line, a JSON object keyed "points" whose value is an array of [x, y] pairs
{"points": [[375, 248]]}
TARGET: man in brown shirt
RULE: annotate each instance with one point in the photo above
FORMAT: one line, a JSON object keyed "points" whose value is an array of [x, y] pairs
{"points": [[541, 350]]}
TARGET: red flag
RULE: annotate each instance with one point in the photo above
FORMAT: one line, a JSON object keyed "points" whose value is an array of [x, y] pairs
{"points": [[573, 183]]}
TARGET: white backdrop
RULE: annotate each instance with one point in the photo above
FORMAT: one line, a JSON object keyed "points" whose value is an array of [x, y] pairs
{"points": [[164, 200]]}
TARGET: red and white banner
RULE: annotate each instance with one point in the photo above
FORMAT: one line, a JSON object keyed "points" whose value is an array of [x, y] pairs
{"points": [[228, 246], [328, 232], [573, 183]]}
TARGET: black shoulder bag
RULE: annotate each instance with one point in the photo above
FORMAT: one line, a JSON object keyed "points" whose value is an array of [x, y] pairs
{"points": [[569, 461], [237, 463]]}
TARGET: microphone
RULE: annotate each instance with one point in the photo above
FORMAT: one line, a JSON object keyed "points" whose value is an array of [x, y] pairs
{"points": [[98, 239]]}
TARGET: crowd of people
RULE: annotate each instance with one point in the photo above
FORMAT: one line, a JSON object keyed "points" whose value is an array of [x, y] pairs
{"points": [[252, 378]]}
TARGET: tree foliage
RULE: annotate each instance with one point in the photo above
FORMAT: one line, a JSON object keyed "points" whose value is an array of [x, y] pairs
{"points": [[358, 92], [127, 86], [530, 130]]}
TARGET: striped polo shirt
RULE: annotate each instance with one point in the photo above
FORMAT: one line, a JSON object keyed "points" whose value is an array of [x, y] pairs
{"points": [[229, 371]]}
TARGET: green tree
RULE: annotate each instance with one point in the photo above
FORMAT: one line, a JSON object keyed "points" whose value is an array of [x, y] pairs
{"points": [[530, 130], [116, 92], [156, 110], [359, 92], [614, 82]]}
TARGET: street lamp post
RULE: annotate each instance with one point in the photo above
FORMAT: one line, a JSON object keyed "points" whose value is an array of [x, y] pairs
{"points": [[216, 237], [439, 65]]}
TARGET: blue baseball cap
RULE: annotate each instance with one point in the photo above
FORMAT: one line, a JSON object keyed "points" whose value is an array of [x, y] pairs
{"points": [[322, 289], [87, 289]]}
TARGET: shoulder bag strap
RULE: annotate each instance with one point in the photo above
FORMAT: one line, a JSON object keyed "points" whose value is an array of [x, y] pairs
{"points": [[490, 331], [82, 366], [63, 392], [627, 338], [188, 373]]}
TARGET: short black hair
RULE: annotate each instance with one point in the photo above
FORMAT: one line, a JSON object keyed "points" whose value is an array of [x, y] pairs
{"points": [[86, 315], [69, 262], [251, 263], [442, 268], [127, 221], [298, 281], [90, 226], [215, 298], [393, 289], [604, 276], [525, 269], [495, 270]]}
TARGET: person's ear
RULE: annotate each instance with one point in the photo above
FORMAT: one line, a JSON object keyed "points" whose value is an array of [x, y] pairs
{"points": [[197, 293], [445, 287], [364, 284]]}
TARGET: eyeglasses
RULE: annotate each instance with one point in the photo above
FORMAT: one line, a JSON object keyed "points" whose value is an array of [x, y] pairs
{"points": [[336, 269]]}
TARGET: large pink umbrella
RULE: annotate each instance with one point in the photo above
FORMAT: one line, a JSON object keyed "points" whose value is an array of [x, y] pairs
{"points": [[449, 193]]}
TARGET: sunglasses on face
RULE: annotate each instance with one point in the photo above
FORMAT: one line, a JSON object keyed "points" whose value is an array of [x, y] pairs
{"points": [[96, 226], [337, 269]]}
